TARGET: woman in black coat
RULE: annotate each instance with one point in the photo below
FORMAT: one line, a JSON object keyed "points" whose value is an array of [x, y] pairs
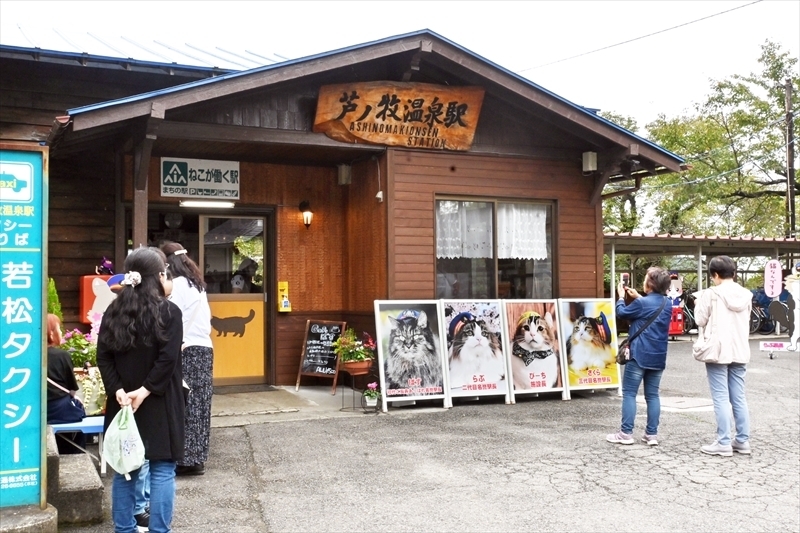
{"points": [[139, 356]]}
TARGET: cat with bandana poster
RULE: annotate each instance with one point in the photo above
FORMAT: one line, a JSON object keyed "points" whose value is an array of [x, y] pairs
{"points": [[535, 354]]}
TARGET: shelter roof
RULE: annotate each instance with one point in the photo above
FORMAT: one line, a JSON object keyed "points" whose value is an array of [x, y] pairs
{"points": [[654, 244], [96, 48]]}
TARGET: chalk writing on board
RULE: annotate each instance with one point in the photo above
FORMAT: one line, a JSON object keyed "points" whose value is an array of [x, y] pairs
{"points": [[319, 357]]}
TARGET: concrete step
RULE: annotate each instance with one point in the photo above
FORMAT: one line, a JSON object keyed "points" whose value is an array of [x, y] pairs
{"points": [[79, 498]]}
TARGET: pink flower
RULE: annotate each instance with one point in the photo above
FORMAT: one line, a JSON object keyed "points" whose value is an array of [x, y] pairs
{"points": [[372, 386]]}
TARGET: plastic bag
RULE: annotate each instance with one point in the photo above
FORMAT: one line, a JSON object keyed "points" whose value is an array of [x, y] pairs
{"points": [[123, 448]]}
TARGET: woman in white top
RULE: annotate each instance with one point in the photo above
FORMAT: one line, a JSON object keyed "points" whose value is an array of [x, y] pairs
{"points": [[189, 293]]}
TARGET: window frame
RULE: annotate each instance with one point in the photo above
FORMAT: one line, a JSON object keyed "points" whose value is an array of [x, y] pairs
{"points": [[552, 205]]}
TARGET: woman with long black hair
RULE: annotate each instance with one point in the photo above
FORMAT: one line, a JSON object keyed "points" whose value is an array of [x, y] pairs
{"points": [[139, 356], [189, 294]]}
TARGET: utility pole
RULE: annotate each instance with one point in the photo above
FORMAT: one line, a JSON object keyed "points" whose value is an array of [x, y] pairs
{"points": [[791, 230]]}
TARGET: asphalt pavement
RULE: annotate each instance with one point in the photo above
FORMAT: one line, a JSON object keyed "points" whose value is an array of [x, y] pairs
{"points": [[283, 462]]}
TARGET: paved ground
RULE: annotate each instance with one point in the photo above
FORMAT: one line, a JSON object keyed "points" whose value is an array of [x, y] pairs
{"points": [[281, 462]]}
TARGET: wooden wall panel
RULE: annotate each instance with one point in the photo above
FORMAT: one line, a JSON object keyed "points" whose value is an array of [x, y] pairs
{"points": [[417, 177], [81, 226]]}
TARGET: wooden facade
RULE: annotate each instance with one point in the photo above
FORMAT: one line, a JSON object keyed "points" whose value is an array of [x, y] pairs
{"points": [[105, 170]]}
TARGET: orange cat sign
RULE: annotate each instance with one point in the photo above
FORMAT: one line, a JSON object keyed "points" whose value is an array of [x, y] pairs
{"points": [[413, 115]]}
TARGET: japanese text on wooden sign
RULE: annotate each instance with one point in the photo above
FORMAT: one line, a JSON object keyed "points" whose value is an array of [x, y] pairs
{"points": [[199, 178], [414, 115], [22, 223]]}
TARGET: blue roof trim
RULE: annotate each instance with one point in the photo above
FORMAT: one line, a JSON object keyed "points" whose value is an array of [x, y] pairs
{"points": [[419, 33], [78, 57]]}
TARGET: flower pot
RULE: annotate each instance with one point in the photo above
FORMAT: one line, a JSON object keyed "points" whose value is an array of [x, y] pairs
{"points": [[356, 368], [371, 402]]}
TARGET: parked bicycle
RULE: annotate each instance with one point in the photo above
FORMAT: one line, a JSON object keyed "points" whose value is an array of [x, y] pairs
{"points": [[689, 324]]}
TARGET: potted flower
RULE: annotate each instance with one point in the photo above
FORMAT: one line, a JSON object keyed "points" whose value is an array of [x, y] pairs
{"points": [[355, 355], [371, 394]]}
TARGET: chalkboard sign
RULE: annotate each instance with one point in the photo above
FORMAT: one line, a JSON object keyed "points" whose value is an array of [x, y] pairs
{"points": [[318, 358]]}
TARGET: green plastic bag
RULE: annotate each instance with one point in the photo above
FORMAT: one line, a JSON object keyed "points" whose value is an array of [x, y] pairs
{"points": [[123, 448]]}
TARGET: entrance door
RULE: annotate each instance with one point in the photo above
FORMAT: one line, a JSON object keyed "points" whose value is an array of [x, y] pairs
{"points": [[232, 257]]}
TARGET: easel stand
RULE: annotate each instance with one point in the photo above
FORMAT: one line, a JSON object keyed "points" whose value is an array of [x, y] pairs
{"points": [[362, 404]]}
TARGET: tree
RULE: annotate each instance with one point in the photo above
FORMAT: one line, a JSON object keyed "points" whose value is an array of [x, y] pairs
{"points": [[620, 213], [736, 146]]}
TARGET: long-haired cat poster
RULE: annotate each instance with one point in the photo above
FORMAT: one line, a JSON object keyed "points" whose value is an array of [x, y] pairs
{"points": [[533, 345], [476, 362], [589, 341], [410, 354]]}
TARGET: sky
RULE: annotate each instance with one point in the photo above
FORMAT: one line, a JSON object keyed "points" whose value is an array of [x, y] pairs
{"points": [[666, 73]]}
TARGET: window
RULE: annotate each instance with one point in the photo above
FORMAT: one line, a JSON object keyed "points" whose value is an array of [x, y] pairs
{"points": [[493, 249]]}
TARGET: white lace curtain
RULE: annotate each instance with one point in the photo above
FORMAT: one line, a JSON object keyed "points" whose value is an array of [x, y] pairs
{"points": [[521, 231], [464, 229]]}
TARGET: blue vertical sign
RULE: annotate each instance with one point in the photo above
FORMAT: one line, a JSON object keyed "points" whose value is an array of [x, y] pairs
{"points": [[22, 229]]}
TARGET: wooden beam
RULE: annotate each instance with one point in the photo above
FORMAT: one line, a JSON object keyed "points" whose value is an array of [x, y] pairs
{"points": [[235, 134], [241, 82]]}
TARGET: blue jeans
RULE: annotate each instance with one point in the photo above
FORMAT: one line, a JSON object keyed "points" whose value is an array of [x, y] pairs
{"points": [[162, 498], [727, 391], [631, 379], [142, 489]]}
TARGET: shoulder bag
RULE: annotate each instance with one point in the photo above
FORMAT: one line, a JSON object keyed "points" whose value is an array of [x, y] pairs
{"points": [[708, 347], [624, 350], [65, 410]]}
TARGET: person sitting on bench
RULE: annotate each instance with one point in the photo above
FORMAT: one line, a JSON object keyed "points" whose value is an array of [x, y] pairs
{"points": [[62, 406]]}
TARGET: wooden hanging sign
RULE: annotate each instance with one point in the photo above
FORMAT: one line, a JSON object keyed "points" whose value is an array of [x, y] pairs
{"points": [[413, 115], [318, 358]]}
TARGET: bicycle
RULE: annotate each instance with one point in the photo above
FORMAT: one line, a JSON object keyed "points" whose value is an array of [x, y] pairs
{"points": [[689, 324]]}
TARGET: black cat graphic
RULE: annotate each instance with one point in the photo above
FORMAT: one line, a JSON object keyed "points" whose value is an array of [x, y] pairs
{"points": [[232, 324]]}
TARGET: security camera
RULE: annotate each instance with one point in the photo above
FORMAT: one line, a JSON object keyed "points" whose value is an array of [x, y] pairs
{"points": [[379, 196]]}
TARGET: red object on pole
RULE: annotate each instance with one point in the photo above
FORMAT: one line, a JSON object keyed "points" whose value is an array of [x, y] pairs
{"points": [[676, 322]]}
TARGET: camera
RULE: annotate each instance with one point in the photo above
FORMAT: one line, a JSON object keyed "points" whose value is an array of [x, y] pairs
{"points": [[625, 280]]}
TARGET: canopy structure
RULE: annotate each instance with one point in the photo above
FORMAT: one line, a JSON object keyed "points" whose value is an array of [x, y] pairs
{"points": [[659, 245]]}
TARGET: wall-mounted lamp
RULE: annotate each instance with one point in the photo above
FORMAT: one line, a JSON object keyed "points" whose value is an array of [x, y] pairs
{"points": [[207, 204], [305, 208]]}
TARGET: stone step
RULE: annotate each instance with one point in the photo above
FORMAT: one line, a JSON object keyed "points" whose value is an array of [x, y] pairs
{"points": [[80, 491]]}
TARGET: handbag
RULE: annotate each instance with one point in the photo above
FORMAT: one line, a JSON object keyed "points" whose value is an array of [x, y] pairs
{"points": [[65, 410], [123, 448], [624, 350], [709, 349]]}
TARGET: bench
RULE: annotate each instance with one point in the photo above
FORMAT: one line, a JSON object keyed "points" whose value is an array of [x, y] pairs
{"points": [[89, 425]]}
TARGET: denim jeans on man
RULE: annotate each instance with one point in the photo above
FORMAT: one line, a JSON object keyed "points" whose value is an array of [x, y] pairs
{"points": [[727, 390], [162, 498], [632, 378]]}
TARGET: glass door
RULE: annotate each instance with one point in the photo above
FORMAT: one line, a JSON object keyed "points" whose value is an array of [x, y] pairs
{"points": [[232, 257]]}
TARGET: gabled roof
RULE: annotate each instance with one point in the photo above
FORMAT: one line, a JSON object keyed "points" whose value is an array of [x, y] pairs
{"points": [[445, 52]]}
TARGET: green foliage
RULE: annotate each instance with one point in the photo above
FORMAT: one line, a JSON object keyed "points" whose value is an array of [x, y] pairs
{"points": [[736, 145], [80, 348], [53, 303], [245, 247], [349, 348]]}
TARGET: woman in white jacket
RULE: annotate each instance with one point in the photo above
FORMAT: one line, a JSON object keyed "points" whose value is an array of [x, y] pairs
{"points": [[726, 378], [189, 293]]}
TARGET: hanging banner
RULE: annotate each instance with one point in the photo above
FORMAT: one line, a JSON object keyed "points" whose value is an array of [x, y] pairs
{"points": [[23, 223], [414, 115]]}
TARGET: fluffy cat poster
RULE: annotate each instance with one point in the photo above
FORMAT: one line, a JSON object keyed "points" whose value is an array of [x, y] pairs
{"points": [[410, 354], [589, 340], [476, 363], [533, 345]]}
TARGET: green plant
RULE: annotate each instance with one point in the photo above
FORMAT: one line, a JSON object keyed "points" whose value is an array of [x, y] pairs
{"points": [[81, 348], [53, 303], [372, 391], [92, 391], [350, 349]]}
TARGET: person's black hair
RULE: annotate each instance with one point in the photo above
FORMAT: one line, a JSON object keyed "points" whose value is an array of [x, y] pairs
{"points": [[723, 266], [181, 265], [659, 280], [135, 313]]}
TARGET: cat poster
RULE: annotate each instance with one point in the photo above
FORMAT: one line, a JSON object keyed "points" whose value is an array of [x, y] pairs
{"points": [[410, 355], [476, 362], [535, 357], [589, 341]]}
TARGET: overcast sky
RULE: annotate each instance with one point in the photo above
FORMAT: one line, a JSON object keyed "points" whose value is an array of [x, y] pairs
{"points": [[664, 73]]}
